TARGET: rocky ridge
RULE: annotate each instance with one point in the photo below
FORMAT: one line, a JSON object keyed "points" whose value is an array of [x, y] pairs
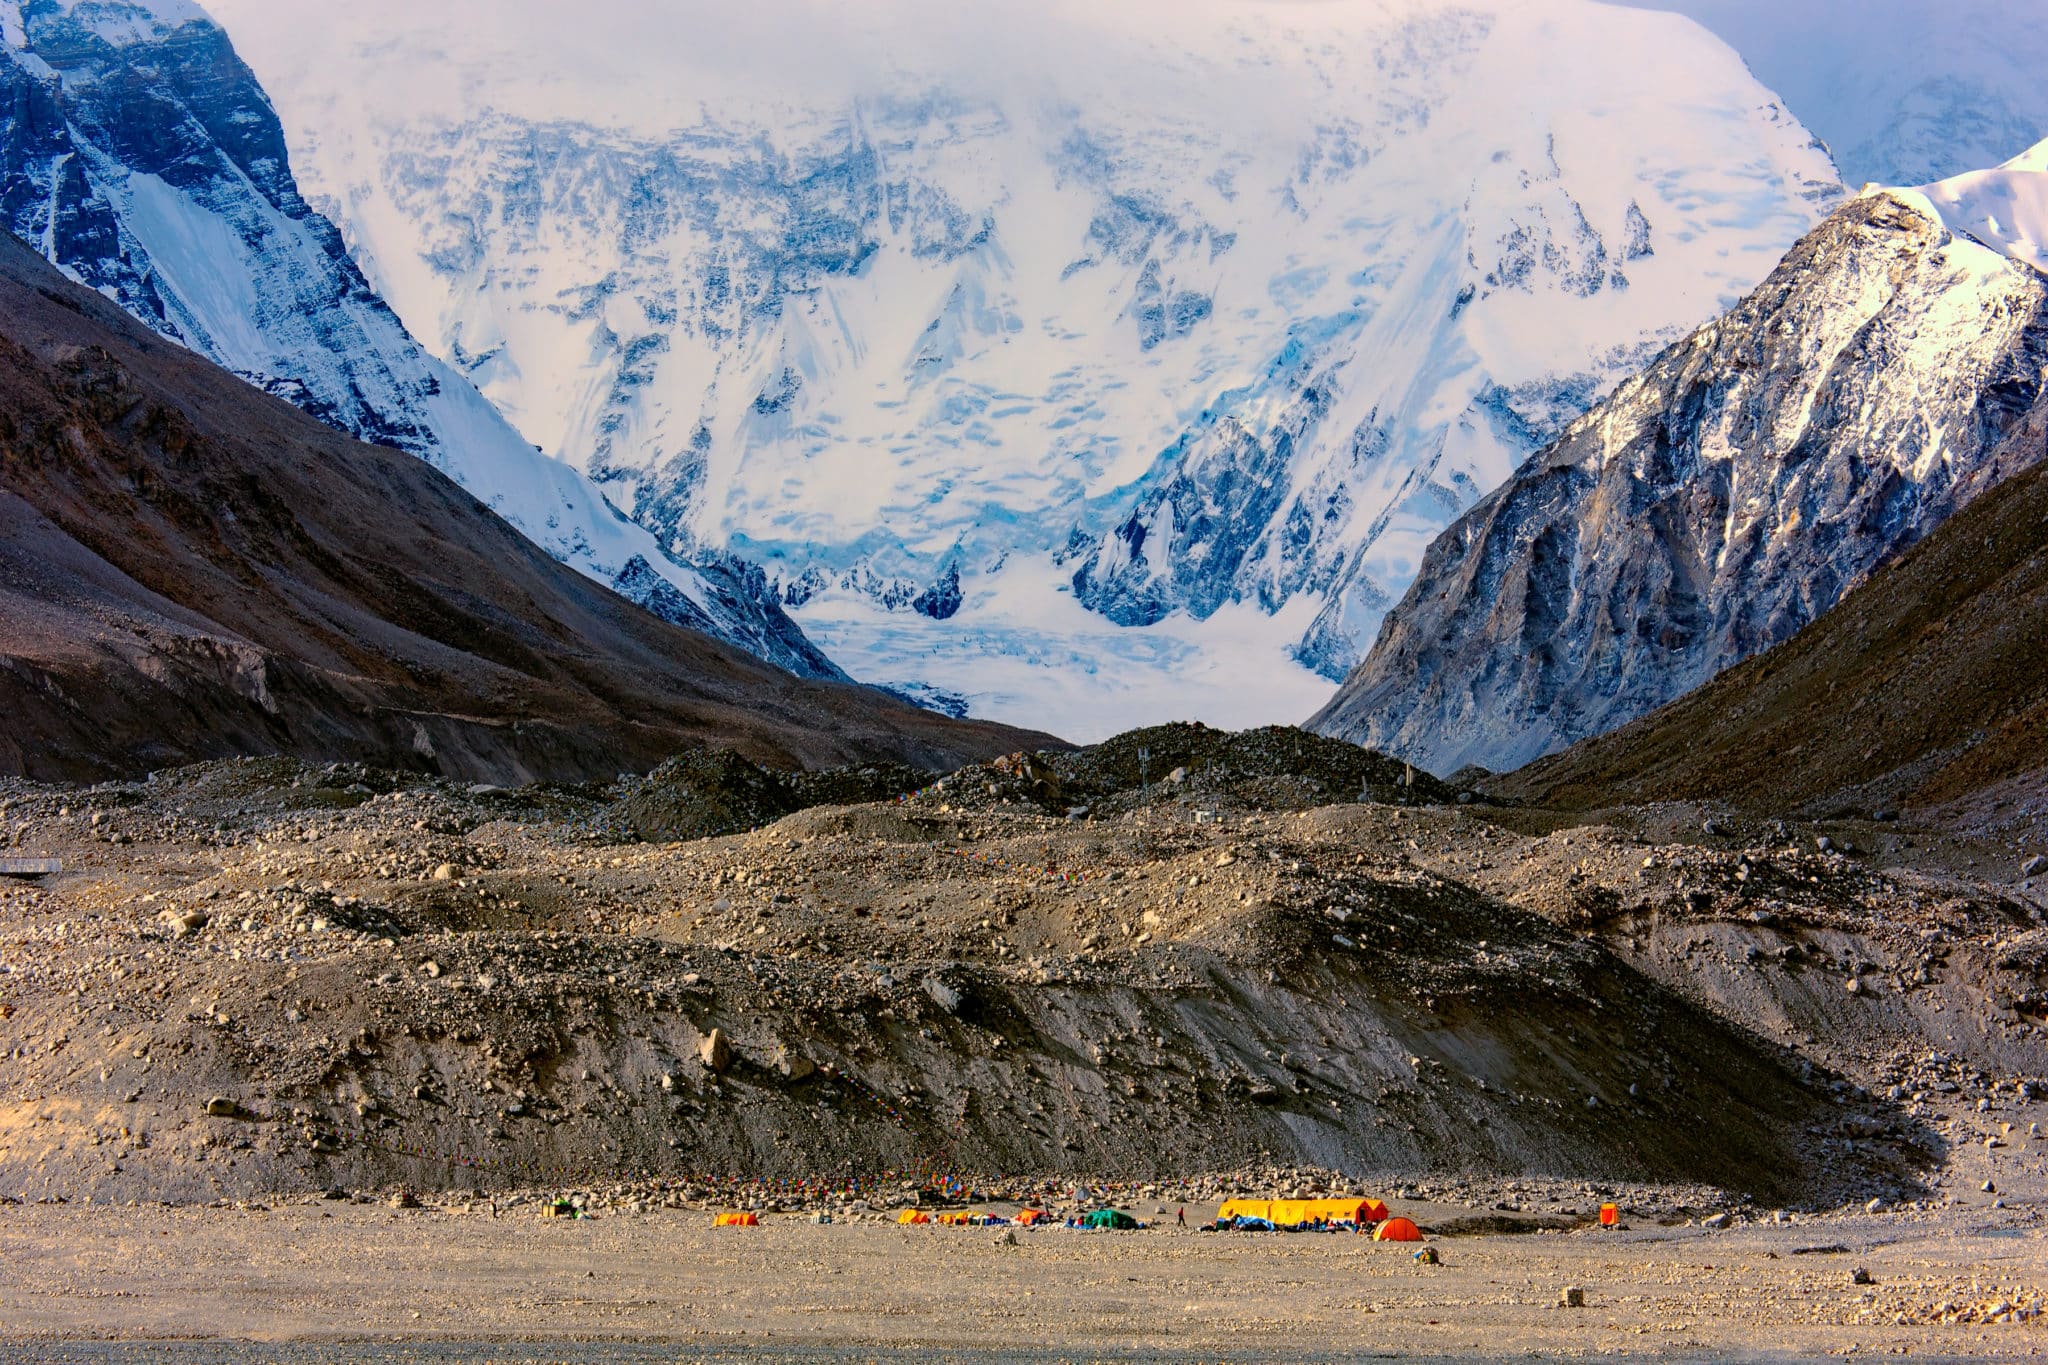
{"points": [[1843, 719], [372, 981], [1726, 498]]}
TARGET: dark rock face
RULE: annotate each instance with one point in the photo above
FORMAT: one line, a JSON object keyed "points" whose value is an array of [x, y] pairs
{"points": [[1923, 690], [941, 601], [1190, 539], [1719, 503], [743, 610]]}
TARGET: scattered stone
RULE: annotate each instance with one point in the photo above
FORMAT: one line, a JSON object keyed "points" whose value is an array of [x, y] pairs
{"points": [[1572, 1297], [446, 872], [221, 1107], [2034, 866], [1860, 1276], [1874, 1206], [715, 1052], [1716, 1222], [945, 996]]}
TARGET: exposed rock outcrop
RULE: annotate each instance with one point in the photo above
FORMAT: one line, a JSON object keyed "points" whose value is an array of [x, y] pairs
{"points": [[1713, 507]]}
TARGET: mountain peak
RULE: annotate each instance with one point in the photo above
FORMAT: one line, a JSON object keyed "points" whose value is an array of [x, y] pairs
{"points": [[2005, 208], [120, 23], [1720, 502], [1179, 397]]}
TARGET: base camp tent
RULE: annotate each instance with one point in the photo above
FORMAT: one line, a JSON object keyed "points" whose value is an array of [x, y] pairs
{"points": [[1397, 1230], [913, 1216], [1294, 1213], [1110, 1220], [1032, 1217], [736, 1220]]}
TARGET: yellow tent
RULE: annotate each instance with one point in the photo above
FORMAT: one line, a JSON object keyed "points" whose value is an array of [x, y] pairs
{"points": [[736, 1220], [913, 1216], [1397, 1230], [1291, 1213]]}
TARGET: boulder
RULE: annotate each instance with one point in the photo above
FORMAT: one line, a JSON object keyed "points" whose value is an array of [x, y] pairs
{"points": [[944, 995]]}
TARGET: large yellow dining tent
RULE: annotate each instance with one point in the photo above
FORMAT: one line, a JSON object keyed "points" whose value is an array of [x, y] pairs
{"points": [[1293, 1213]]}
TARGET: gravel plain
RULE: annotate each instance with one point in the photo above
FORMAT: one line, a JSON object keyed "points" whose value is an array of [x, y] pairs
{"points": [[338, 1280]]}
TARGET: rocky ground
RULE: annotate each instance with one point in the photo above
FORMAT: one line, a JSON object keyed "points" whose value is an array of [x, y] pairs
{"points": [[459, 1281], [1177, 966]]}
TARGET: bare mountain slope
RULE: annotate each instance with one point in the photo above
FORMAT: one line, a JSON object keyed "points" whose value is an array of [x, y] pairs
{"points": [[191, 569], [1923, 689]]}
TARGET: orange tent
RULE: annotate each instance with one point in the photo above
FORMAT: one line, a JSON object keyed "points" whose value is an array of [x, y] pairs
{"points": [[1397, 1230], [1292, 1213], [910, 1216], [736, 1220], [1031, 1217]]}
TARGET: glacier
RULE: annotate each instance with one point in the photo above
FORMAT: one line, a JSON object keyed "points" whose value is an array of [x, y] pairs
{"points": [[139, 155], [1154, 343]]}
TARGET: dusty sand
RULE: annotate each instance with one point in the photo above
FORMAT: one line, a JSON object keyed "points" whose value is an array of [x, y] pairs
{"points": [[367, 1276]]}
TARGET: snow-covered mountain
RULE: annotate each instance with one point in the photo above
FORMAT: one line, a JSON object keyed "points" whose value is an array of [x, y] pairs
{"points": [[140, 155], [1752, 476], [1089, 363], [1903, 91]]}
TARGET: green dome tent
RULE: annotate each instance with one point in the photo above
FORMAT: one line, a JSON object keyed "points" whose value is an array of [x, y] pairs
{"points": [[1113, 1220]]}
